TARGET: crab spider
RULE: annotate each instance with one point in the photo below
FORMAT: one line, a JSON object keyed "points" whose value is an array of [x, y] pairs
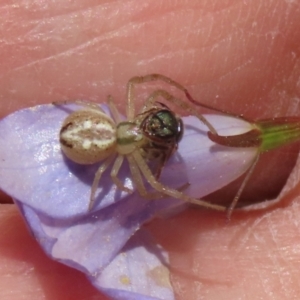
{"points": [[88, 136]]}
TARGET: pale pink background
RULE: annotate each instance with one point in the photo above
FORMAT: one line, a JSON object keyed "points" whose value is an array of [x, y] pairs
{"points": [[242, 56]]}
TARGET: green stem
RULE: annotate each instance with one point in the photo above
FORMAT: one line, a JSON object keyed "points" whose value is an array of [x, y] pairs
{"points": [[278, 132]]}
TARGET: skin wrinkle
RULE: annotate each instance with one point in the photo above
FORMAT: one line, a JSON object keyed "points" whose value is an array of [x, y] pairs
{"points": [[195, 278], [258, 272], [275, 8], [239, 19], [242, 235], [209, 36], [280, 260], [216, 6], [91, 42], [225, 73], [237, 69], [95, 41], [72, 13], [165, 55], [270, 48], [252, 230], [81, 46], [228, 68], [294, 217], [289, 11], [291, 218], [60, 10], [276, 262], [67, 52]]}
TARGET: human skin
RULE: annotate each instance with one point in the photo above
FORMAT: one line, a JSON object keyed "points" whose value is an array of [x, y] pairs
{"points": [[242, 56]]}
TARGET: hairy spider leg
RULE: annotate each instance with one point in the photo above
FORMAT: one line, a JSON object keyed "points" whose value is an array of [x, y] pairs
{"points": [[139, 183], [253, 164], [241, 188], [97, 178], [114, 172], [142, 79], [138, 179], [158, 77], [141, 164], [225, 112], [80, 103], [113, 110]]}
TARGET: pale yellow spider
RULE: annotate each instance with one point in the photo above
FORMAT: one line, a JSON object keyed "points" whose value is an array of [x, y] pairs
{"points": [[89, 136]]}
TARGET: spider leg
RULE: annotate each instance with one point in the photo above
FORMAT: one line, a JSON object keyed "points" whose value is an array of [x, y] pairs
{"points": [[241, 188], [167, 96], [142, 79], [138, 180], [158, 77], [114, 111], [97, 178], [82, 103], [167, 190], [160, 160], [114, 172], [136, 174], [222, 111]]}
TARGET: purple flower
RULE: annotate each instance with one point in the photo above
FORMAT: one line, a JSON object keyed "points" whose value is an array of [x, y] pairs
{"points": [[53, 196]]}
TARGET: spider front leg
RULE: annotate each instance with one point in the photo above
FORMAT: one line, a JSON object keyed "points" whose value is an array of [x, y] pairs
{"points": [[114, 173], [97, 178], [85, 104], [167, 96], [138, 180], [142, 79], [158, 77], [165, 190], [113, 110], [241, 188]]}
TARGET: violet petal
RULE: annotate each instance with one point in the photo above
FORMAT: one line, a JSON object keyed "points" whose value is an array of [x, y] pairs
{"points": [[32, 167], [107, 229], [139, 271]]}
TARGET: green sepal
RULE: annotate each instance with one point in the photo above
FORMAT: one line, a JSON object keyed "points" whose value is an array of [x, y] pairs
{"points": [[278, 132], [266, 134]]}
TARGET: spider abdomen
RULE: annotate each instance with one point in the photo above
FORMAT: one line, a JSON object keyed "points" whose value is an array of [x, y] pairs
{"points": [[88, 136]]}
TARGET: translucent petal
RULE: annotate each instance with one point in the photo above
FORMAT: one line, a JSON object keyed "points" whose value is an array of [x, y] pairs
{"points": [[34, 171], [140, 270]]}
